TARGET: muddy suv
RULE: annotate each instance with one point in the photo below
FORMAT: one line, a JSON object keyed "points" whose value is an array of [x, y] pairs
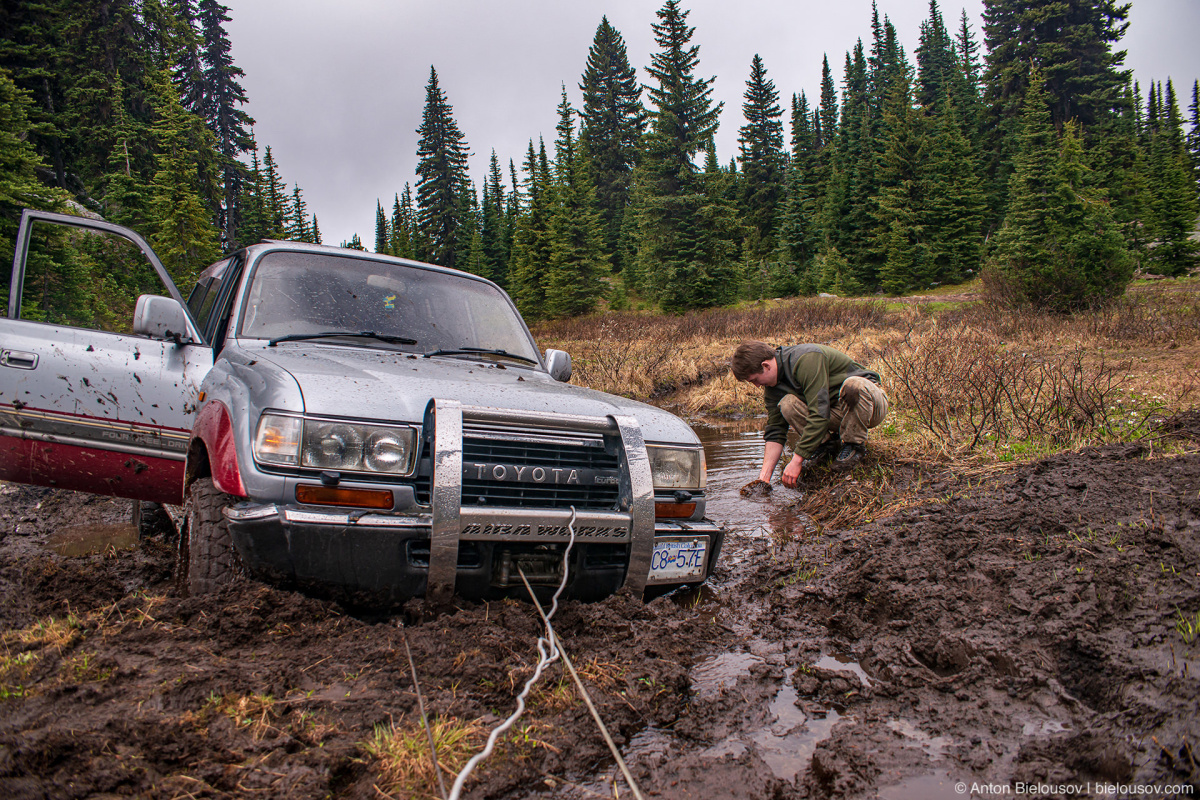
{"points": [[351, 424]]}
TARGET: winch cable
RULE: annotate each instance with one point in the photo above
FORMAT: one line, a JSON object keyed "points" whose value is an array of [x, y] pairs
{"points": [[633, 787], [437, 769], [547, 654]]}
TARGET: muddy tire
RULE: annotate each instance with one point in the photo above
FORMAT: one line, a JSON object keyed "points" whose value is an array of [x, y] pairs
{"points": [[205, 560], [152, 520]]}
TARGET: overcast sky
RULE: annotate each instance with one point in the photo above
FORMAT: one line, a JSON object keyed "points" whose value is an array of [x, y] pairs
{"points": [[337, 90]]}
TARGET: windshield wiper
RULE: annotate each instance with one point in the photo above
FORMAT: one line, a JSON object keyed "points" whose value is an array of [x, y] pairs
{"points": [[474, 351], [383, 337]]}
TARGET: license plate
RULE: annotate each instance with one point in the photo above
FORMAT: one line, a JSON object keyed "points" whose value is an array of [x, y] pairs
{"points": [[678, 560]]}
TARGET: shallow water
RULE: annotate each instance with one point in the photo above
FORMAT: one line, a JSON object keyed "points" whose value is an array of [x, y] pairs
{"points": [[82, 540], [734, 454]]}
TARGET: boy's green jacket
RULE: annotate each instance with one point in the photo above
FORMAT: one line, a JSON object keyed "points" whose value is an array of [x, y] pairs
{"points": [[814, 373]]}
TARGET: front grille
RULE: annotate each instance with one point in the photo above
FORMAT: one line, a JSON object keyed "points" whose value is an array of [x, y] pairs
{"points": [[548, 450], [545, 453]]}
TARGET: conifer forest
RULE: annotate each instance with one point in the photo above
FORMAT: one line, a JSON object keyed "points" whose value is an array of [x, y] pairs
{"points": [[1022, 151]]}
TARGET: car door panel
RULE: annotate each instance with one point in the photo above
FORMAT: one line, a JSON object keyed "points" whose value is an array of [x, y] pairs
{"points": [[90, 410]]}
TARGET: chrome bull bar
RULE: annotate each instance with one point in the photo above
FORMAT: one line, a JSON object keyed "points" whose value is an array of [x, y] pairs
{"points": [[634, 524]]}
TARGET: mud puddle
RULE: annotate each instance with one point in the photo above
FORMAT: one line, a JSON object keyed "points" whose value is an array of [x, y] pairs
{"points": [[83, 540]]}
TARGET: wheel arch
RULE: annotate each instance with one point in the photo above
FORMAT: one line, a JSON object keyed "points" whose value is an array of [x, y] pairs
{"points": [[212, 451]]}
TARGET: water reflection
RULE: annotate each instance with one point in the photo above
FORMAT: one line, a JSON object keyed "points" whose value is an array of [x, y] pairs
{"points": [[734, 453], [82, 540]]}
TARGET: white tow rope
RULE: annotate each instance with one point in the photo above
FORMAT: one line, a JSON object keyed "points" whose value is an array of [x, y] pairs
{"points": [[548, 653], [612, 746]]}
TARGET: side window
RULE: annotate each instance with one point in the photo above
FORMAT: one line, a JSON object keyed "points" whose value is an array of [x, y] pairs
{"points": [[202, 307], [84, 278], [196, 298], [217, 305]]}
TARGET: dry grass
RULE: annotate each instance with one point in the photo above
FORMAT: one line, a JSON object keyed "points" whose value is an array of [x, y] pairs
{"points": [[58, 633], [254, 712], [972, 386], [403, 759], [655, 356], [1144, 345]]}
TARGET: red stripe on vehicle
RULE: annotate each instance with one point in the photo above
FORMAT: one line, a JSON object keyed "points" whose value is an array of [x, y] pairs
{"points": [[85, 469]]}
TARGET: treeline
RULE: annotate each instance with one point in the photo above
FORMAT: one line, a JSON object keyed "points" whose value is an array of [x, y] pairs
{"points": [[1030, 156], [1039, 162], [133, 110]]}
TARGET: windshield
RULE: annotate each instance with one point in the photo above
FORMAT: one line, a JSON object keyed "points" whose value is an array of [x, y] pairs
{"points": [[294, 294]]}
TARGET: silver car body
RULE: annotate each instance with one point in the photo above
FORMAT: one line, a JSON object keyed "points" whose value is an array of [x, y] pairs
{"points": [[492, 480]]}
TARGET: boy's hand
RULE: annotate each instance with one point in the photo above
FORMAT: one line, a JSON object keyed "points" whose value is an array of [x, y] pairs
{"points": [[791, 473]]}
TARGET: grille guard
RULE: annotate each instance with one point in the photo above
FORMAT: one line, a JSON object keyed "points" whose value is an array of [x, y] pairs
{"points": [[444, 421]]}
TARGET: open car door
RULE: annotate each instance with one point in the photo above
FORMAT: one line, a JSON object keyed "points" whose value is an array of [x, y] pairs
{"points": [[100, 363]]}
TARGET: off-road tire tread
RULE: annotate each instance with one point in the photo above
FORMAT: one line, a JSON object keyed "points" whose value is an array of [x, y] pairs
{"points": [[206, 559]]}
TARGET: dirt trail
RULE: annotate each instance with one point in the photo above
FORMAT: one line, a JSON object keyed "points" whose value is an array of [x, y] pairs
{"points": [[1027, 630]]}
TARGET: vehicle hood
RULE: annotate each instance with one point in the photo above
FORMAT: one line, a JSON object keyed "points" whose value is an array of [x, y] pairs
{"points": [[381, 385]]}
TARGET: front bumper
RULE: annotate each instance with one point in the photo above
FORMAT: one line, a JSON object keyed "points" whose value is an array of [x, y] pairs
{"points": [[378, 559]]}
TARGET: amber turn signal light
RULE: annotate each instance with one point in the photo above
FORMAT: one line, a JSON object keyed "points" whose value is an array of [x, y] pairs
{"points": [[337, 496], [674, 510]]}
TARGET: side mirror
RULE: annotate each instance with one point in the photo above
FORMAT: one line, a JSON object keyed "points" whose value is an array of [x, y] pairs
{"points": [[161, 318], [558, 364]]}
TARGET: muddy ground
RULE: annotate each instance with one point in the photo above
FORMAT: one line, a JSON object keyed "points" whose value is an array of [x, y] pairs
{"points": [[1030, 630]]}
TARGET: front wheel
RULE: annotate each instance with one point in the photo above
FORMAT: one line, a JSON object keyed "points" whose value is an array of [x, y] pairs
{"points": [[205, 560]]}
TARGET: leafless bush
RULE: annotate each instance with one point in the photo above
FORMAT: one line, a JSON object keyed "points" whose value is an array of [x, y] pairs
{"points": [[621, 359], [965, 387], [1145, 317]]}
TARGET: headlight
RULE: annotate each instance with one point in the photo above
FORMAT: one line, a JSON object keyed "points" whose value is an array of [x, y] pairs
{"points": [[278, 440], [332, 446], [676, 468], [291, 441]]}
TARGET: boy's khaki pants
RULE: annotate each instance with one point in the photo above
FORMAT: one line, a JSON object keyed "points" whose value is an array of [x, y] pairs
{"points": [[869, 411]]}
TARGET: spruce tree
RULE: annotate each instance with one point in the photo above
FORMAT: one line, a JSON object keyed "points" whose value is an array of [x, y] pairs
{"points": [[188, 68], [493, 224], [686, 259], [34, 52], [898, 238], [798, 233], [564, 142], [965, 94], [220, 107], [298, 218], [613, 123], [936, 63], [1193, 137], [442, 153], [126, 193], [274, 198], [531, 251], [181, 230], [382, 234], [404, 238], [107, 52], [19, 164], [1070, 43], [578, 261], [763, 162], [955, 204], [859, 156], [1173, 205], [254, 225], [316, 231], [1059, 248]]}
